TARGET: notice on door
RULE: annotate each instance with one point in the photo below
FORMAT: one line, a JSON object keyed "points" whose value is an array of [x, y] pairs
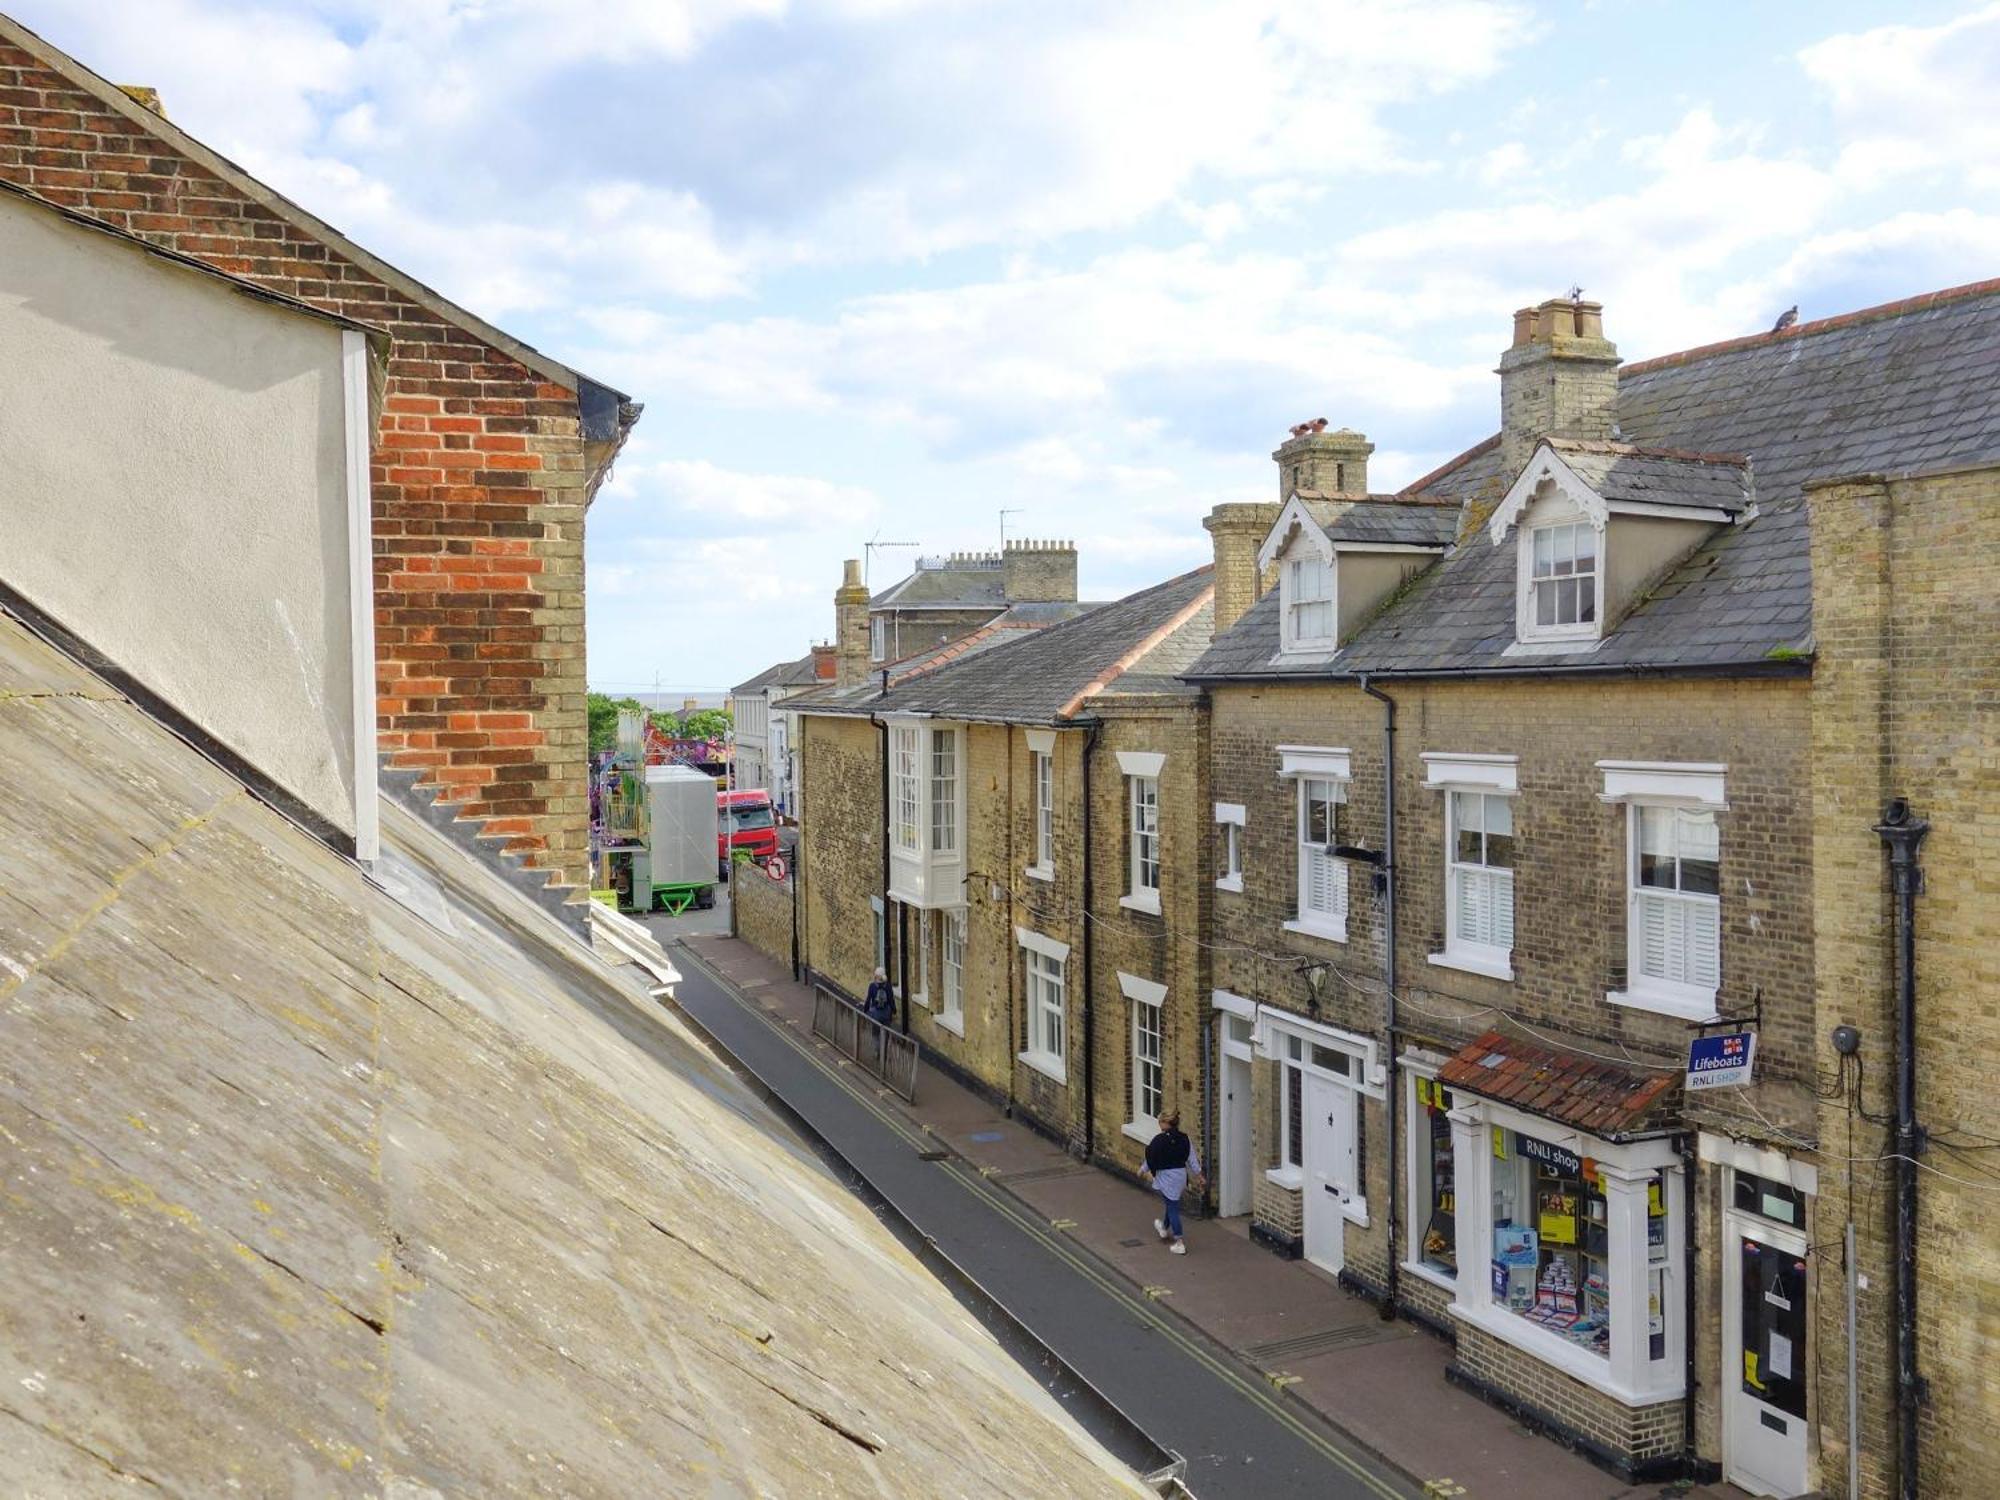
{"points": [[1781, 1357]]}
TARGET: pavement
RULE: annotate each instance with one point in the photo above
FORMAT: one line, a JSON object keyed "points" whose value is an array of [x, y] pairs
{"points": [[1296, 1386]]}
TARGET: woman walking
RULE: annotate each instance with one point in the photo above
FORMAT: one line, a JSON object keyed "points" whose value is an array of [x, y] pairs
{"points": [[1171, 1163]]}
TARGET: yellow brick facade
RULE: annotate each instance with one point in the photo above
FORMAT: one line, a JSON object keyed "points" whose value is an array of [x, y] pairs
{"points": [[841, 875], [1906, 620]]}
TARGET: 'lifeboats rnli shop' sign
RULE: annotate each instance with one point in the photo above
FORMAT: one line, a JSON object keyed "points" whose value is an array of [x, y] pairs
{"points": [[1720, 1062]]}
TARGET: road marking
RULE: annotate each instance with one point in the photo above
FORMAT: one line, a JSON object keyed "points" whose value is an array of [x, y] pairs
{"points": [[1281, 1380], [1157, 1292], [1060, 1224], [1442, 1489], [1118, 1290]]}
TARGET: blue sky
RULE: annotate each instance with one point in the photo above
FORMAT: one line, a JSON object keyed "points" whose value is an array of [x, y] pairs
{"points": [[884, 267]]}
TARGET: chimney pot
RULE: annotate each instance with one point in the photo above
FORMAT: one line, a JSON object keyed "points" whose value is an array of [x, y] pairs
{"points": [[1590, 320], [1556, 320]]}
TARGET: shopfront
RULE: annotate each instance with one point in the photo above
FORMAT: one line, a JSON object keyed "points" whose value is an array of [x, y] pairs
{"points": [[1566, 1245]]}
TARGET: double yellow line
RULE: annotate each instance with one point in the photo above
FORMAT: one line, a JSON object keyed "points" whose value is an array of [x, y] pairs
{"points": [[1258, 1393]]}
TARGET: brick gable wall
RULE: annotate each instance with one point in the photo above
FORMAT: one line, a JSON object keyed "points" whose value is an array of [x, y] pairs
{"points": [[479, 477]]}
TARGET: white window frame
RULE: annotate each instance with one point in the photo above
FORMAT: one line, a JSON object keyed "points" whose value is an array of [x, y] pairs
{"points": [[1692, 786], [1291, 1041], [1290, 603], [1042, 777], [921, 995], [1230, 820], [951, 971], [1145, 997], [1625, 1373], [1417, 1168], [878, 638], [1331, 925], [1549, 493], [906, 787], [1532, 581], [1045, 968], [1494, 960], [945, 775], [1140, 768]]}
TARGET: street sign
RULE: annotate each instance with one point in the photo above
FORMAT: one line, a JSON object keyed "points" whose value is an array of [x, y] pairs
{"points": [[1721, 1062]]}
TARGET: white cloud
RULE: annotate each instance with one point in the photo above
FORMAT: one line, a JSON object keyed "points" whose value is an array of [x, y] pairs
{"points": [[1910, 98], [703, 495]]}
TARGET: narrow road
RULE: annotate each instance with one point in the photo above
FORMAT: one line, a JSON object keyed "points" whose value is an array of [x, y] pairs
{"points": [[1240, 1438]]}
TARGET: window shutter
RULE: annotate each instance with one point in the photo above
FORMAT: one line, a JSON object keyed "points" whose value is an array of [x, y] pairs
{"points": [[1472, 915], [1704, 943], [1657, 945], [1502, 911]]}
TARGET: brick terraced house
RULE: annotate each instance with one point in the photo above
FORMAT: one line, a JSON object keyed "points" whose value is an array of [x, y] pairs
{"points": [[1013, 828], [486, 457], [1527, 776]]}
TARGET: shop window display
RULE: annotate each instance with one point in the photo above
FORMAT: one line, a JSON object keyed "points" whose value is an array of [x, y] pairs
{"points": [[1551, 1243], [1437, 1198]]}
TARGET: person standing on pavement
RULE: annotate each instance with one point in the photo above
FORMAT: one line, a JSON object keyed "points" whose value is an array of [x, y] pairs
{"points": [[880, 1002], [1171, 1163]]}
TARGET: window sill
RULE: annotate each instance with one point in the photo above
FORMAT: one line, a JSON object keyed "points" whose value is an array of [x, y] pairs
{"points": [[1146, 901], [1040, 872], [1291, 1178], [1432, 1274], [1499, 966], [1698, 1005], [952, 1021], [1048, 1065], [1355, 1211], [923, 1000], [1141, 1131], [1318, 929], [1594, 1370], [1553, 645], [1230, 883]]}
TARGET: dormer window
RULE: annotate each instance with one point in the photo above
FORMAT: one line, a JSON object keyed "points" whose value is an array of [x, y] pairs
{"points": [[1562, 574], [1307, 588], [925, 813]]}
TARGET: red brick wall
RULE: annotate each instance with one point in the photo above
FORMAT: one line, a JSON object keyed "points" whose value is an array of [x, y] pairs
{"points": [[479, 475]]}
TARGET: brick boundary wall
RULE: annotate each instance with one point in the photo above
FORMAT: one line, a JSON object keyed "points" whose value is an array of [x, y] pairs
{"points": [[761, 913], [480, 475]]}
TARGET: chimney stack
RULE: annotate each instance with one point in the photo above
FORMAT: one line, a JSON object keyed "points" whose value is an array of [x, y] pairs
{"points": [[1238, 530], [1038, 572], [850, 626], [1323, 463], [823, 663], [1559, 379]]}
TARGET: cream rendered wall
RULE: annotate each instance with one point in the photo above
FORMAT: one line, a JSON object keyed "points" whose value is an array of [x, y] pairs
{"points": [[174, 491]]}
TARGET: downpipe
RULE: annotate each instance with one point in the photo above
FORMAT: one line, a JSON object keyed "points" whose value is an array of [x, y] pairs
{"points": [[1089, 973], [1393, 1093], [1902, 833]]}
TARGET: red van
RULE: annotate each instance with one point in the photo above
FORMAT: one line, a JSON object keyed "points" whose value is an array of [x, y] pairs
{"points": [[744, 820]]}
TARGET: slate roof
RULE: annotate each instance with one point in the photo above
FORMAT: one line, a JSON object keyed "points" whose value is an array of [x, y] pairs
{"points": [[976, 581], [1601, 1098], [771, 676], [1034, 678], [1394, 522], [1903, 387], [1660, 476], [308, 1175]]}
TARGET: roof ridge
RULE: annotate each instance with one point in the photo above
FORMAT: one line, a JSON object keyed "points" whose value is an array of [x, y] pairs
{"points": [[259, 192], [1138, 653], [1415, 486], [1923, 302], [1640, 450]]}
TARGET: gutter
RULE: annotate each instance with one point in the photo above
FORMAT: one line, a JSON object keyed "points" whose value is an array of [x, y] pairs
{"points": [[1089, 973], [1395, 1100], [1789, 666]]}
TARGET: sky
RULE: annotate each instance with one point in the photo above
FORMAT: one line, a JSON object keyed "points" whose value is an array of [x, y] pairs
{"points": [[882, 269]]}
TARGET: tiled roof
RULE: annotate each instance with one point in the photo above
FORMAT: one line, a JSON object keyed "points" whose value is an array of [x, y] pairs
{"points": [[773, 675], [1600, 1098], [1038, 677], [1906, 387], [1660, 476]]}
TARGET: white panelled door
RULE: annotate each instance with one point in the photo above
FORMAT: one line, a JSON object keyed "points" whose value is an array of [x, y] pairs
{"points": [[1330, 1170]]}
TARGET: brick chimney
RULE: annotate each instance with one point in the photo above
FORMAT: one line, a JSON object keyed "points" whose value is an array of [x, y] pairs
{"points": [[1559, 379], [1238, 530], [1039, 572], [1321, 462], [850, 626], [823, 663]]}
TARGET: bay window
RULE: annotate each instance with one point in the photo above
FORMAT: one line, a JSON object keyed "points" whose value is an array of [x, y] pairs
{"points": [[926, 813]]}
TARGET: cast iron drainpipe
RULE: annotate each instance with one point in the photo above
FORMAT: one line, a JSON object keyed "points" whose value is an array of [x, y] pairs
{"points": [[1903, 832], [1089, 1028], [1393, 1092]]}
